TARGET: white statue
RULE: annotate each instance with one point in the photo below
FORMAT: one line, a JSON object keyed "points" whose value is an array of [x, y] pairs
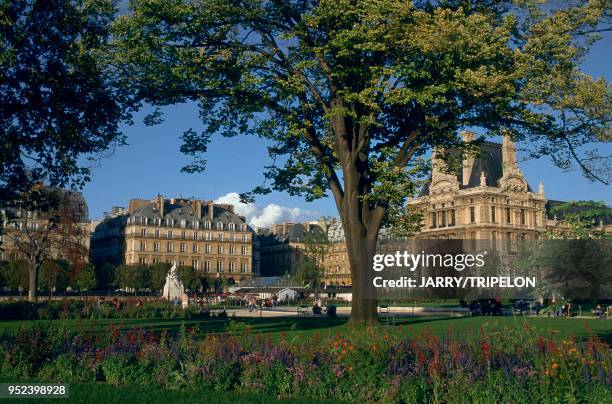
{"points": [[173, 289]]}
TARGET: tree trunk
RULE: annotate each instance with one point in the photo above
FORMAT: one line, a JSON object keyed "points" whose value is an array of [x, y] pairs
{"points": [[33, 281], [361, 252]]}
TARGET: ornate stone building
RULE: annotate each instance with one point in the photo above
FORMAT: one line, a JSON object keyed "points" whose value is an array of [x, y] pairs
{"points": [[204, 235], [488, 198]]}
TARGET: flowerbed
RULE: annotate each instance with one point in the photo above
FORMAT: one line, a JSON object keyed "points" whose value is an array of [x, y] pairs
{"points": [[370, 364]]}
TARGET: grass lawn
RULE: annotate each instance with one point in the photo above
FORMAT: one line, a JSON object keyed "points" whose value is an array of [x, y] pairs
{"points": [[323, 327]]}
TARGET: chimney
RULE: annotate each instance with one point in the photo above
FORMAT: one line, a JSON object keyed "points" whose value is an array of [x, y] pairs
{"points": [[197, 208], [468, 159], [210, 210], [510, 166], [136, 204], [160, 205]]}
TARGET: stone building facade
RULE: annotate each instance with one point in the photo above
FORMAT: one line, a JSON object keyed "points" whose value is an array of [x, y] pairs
{"points": [[281, 246], [204, 235], [488, 198]]}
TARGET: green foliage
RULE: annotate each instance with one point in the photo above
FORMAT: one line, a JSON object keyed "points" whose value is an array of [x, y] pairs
{"points": [[190, 277], [583, 219], [105, 276], [157, 275], [352, 95], [129, 276], [59, 103], [85, 279], [55, 274], [14, 275]]}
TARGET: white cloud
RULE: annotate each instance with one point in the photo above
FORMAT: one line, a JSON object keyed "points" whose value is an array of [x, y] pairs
{"points": [[272, 213]]}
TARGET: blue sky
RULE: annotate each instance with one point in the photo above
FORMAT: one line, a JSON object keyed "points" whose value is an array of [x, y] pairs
{"points": [[151, 164]]}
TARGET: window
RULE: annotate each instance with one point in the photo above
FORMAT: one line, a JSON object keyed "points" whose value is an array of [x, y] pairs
{"points": [[142, 260], [183, 234], [220, 237], [452, 218], [508, 216], [143, 232], [156, 246], [181, 263], [182, 247], [443, 219], [143, 246], [155, 260], [219, 226], [208, 236], [522, 216], [219, 266], [232, 226], [232, 238], [535, 218], [170, 247], [434, 219], [206, 266], [195, 248], [219, 249], [244, 250], [232, 266], [157, 233], [194, 264], [244, 238], [243, 267], [472, 214], [169, 233], [207, 249], [195, 235], [243, 227], [207, 225], [232, 250], [493, 218]]}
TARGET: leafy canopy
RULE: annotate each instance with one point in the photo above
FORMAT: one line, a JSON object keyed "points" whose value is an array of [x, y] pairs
{"points": [[352, 94], [59, 105]]}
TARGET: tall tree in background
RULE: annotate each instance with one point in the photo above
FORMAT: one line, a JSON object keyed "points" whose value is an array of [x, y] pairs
{"points": [[350, 95], [47, 224], [314, 251], [58, 106]]}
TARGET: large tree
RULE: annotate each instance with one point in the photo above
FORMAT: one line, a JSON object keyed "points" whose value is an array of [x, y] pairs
{"points": [[46, 224], [59, 108], [351, 94]]}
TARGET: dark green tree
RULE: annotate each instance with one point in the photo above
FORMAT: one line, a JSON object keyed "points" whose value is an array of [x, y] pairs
{"points": [[55, 274], [60, 107], [190, 277], [105, 274], [157, 275], [351, 95], [128, 277], [85, 279]]}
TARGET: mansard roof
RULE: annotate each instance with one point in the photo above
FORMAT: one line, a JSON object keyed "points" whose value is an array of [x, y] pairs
{"points": [[489, 159], [179, 210]]}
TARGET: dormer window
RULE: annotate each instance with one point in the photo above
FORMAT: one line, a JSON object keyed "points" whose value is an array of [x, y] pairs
{"points": [[232, 226], [183, 222], [207, 225], [243, 227], [219, 226]]}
